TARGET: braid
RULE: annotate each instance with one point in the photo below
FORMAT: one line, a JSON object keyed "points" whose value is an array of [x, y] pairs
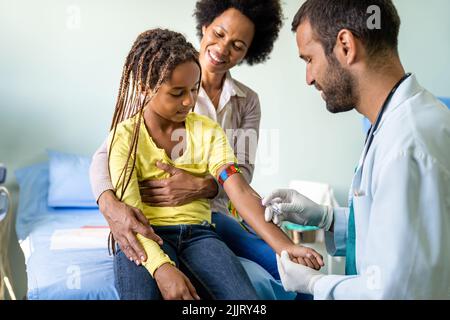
{"points": [[150, 62]]}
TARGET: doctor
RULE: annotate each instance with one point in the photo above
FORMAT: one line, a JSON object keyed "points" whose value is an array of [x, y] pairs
{"points": [[395, 233]]}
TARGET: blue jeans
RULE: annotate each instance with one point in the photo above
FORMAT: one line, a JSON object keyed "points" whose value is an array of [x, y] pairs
{"points": [[248, 245], [213, 269], [245, 244]]}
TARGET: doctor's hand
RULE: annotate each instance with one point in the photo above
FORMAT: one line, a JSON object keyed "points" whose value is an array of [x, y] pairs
{"points": [[289, 205], [173, 284], [296, 277]]}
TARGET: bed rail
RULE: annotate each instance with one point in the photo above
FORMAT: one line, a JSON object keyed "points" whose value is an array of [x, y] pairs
{"points": [[6, 290]]}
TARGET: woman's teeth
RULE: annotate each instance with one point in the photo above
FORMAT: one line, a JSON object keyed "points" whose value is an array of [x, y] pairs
{"points": [[215, 58]]}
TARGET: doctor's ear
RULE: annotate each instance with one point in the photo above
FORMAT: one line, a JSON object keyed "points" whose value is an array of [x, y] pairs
{"points": [[346, 47]]}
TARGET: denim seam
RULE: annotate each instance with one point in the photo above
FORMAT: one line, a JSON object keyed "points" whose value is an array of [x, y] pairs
{"points": [[196, 277], [179, 244], [119, 272]]}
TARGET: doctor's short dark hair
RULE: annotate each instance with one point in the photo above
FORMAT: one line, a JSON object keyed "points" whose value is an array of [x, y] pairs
{"points": [[266, 15], [328, 17]]}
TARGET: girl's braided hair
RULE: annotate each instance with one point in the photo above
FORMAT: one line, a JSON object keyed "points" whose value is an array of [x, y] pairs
{"points": [[150, 62]]}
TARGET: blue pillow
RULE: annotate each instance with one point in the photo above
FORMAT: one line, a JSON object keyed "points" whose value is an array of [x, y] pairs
{"points": [[446, 101], [69, 181]]}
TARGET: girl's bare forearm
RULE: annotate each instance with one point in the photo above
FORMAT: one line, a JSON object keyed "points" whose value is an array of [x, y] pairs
{"points": [[248, 203]]}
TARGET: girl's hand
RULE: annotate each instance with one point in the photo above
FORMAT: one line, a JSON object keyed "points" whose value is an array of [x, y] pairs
{"points": [[173, 284], [306, 256]]}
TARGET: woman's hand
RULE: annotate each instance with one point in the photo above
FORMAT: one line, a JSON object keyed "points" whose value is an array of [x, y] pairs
{"points": [[173, 284], [306, 256], [124, 222], [181, 188]]}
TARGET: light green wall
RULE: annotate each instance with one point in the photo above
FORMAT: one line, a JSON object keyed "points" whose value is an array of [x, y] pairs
{"points": [[58, 84]]}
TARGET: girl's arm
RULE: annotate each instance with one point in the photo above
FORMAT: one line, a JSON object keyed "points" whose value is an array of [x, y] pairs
{"points": [[123, 220], [244, 139], [248, 204], [119, 155]]}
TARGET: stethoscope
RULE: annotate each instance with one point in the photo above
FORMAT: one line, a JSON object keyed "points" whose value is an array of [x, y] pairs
{"points": [[374, 127], [371, 134]]}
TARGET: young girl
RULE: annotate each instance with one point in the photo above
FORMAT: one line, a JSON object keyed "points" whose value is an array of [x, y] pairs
{"points": [[236, 32], [152, 122]]}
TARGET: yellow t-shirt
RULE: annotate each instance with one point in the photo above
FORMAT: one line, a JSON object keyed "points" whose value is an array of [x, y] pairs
{"points": [[206, 150]]}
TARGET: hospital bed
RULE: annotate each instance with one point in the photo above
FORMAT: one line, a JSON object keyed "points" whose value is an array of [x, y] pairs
{"points": [[65, 247], [55, 272], [6, 290]]}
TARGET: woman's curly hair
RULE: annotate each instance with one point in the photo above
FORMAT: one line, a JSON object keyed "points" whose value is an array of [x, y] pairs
{"points": [[266, 15]]}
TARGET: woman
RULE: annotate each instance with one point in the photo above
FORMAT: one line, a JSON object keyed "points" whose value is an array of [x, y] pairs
{"points": [[231, 32]]}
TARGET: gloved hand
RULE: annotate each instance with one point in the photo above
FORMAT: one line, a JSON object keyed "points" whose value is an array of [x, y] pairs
{"points": [[289, 205], [296, 277]]}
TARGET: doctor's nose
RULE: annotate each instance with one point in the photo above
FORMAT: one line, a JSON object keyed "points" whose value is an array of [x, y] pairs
{"points": [[310, 79]]}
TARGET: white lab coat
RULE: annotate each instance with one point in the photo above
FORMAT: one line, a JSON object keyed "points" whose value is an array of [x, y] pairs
{"points": [[402, 213]]}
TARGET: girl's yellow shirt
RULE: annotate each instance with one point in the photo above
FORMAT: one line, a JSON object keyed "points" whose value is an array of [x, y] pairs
{"points": [[206, 150]]}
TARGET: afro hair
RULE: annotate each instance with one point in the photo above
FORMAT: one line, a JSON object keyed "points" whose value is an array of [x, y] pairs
{"points": [[266, 15]]}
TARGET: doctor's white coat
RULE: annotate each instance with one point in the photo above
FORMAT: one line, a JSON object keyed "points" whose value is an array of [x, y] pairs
{"points": [[402, 211]]}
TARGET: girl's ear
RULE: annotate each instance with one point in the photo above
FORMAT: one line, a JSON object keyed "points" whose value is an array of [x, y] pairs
{"points": [[203, 30], [146, 97]]}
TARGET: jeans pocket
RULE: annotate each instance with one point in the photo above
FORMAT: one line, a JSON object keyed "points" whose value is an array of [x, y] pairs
{"points": [[118, 249]]}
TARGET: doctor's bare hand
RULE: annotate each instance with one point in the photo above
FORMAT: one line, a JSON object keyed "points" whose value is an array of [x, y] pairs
{"points": [[173, 284], [289, 205], [179, 189], [125, 222]]}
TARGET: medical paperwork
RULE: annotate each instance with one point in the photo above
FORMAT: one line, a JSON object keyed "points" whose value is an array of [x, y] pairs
{"points": [[81, 238]]}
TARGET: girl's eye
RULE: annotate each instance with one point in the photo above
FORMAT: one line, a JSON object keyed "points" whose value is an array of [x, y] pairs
{"points": [[218, 35], [238, 48], [176, 95]]}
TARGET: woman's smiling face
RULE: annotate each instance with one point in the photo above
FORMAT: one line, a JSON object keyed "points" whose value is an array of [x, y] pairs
{"points": [[225, 41]]}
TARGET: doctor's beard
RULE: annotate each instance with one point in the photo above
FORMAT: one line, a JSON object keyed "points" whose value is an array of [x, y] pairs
{"points": [[339, 88]]}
